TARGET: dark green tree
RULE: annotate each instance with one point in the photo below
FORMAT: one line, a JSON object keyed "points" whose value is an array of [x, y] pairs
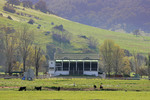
{"points": [[14, 2]]}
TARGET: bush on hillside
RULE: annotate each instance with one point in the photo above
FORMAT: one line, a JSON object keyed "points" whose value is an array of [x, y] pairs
{"points": [[14, 2], [60, 28], [92, 43], [52, 23], [59, 38], [27, 4], [9, 9], [1, 14], [31, 21], [9, 17]]}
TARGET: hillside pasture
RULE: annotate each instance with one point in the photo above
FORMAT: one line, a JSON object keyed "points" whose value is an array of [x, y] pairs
{"points": [[126, 41]]}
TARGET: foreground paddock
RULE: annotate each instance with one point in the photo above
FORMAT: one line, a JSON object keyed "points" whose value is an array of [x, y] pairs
{"points": [[74, 95], [77, 84], [75, 89]]}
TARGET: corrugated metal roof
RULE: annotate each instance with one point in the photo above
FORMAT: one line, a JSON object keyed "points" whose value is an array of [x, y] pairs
{"points": [[79, 56]]}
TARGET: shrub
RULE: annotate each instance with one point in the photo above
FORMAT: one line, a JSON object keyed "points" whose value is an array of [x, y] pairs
{"points": [[60, 28], [9, 9], [1, 14], [52, 23], [31, 21], [9, 17], [59, 38]]}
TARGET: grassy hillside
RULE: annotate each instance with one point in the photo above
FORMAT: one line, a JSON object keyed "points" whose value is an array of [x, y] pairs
{"points": [[112, 14], [126, 41]]}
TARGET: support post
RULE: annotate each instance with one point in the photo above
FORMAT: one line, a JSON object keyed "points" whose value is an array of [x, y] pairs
{"points": [[62, 66], [83, 66], [76, 65], [69, 65], [90, 65]]}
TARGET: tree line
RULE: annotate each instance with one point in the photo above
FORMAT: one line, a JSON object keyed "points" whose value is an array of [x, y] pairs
{"points": [[19, 51], [115, 61], [40, 5]]}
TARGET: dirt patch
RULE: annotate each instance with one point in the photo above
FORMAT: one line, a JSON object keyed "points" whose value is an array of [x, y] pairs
{"points": [[71, 89], [6, 87], [64, 89]]}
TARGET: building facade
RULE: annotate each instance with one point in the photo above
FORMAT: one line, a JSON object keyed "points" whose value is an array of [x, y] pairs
{"points": [[74, 64]]}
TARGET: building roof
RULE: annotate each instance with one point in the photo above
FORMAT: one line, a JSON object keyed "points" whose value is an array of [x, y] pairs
{"points": [[76, 56]]}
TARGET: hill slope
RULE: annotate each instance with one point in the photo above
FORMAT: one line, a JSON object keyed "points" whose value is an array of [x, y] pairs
{"points": [[108, 14], [77, 43]]}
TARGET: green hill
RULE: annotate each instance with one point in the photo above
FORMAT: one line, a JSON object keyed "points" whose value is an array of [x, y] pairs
{"points": [[77, 43]]}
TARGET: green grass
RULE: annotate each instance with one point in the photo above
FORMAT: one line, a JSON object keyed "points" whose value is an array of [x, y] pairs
{"points": [[126, 41], [81, 83], [73, 95]]}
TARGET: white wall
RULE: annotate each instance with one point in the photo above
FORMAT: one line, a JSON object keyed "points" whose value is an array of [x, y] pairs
{"points": [[61, 73], [51, 63], [90, 73]]}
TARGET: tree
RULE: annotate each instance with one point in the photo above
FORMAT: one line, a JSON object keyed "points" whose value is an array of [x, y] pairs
{"points": [[14, 2], [92, 43], [37, 57], [143, 71], [135, 62], [136, 32], [10, 48], [41, 5], [26, 37], [107, 55], [50, 50], [28, 4], [126, 66], [118, 55]]}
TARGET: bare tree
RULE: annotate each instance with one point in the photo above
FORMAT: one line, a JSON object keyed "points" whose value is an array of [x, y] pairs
{"points": [[26, 37], [135, 62], [118, 55], [107, 53], [38, 56], [93, 43], [136, 32], [10, 48]]}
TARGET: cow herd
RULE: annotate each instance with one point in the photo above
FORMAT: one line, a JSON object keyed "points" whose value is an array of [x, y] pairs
{"points": [[36, 88], [58, 88], [101, 87]]}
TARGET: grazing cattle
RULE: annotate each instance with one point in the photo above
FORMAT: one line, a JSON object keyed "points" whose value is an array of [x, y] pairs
{"points": [[38, 88], [58, 88], [94, 86], [22, 88], [101, 86]]}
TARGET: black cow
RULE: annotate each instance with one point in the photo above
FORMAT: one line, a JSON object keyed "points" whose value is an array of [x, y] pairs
{"points": [[94, 86], [101, 87], [58, 88], [22, 88], [38, 88]]}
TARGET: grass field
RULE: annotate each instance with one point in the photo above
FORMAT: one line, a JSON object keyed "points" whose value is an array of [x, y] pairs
{"points": [[82, 90], [126, 41], [80, 83], [73, 95]]}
